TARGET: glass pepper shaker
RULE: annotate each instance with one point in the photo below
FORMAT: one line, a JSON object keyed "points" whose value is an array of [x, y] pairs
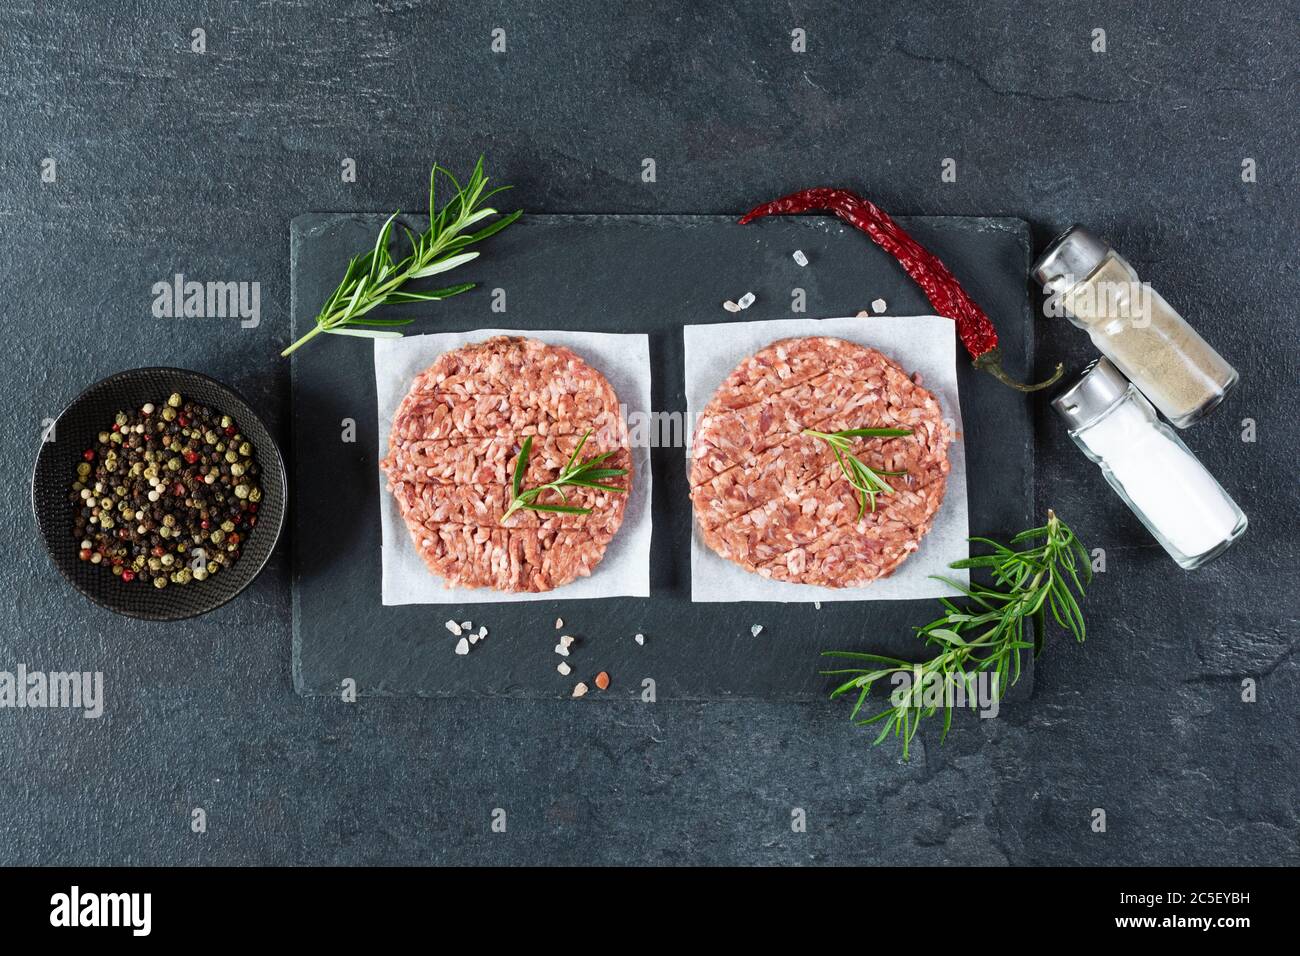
{"points": [[1133, 326], [1149, 467]]}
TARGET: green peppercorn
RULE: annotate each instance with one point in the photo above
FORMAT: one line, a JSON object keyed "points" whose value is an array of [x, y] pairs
{"points": [[174, 400], [160, 582]]}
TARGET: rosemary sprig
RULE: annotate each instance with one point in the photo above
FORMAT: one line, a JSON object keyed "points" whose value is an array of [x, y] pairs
{"points": [[989, 635], [866, 481], [375, 278], [574, 474]]}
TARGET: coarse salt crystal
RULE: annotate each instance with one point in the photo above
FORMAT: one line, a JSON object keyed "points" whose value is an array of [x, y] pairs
{"points": [[730, 306], [746, 300], [453, 627], [561, 650], [566, 640], [580, 689], [564, 668], [640, 639], [482, 631], [864, 314], [473, 638], [800, 258], [559, 623], [462, 647], [756, 630], [466, 625], [602, 680], [878, 306]]}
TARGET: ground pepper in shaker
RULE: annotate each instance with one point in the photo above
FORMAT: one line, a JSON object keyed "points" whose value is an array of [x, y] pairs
{"points": [[1133, 326], [1149, 467]]}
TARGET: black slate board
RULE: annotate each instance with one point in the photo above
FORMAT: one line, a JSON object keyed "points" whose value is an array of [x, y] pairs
{"points": [[649, 274]]}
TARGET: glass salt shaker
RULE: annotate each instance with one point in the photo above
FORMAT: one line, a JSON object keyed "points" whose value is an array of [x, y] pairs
{"points": [[1149, 467], [1133, 326]]}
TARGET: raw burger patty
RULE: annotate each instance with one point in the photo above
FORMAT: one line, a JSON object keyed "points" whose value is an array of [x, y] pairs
{"points": [[777, 503], [452, 451]]}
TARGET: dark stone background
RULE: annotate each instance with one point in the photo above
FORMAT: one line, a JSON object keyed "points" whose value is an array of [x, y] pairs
{"points": [[170, 161]]}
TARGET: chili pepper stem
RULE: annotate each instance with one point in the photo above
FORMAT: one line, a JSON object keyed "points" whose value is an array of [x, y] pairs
{"points": [[991, 362]]}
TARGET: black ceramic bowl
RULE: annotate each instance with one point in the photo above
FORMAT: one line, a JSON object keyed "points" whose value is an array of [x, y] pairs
{"points": [[74, 431]]}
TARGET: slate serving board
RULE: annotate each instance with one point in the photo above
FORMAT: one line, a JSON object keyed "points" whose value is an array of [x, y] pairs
{"points": [[650, 274]]}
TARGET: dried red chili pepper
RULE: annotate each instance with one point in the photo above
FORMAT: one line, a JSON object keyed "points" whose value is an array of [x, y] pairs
{"points": [[940, 286]]}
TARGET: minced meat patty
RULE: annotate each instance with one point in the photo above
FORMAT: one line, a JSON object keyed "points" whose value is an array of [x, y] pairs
{"points": [[453, 446], [777, 503]]}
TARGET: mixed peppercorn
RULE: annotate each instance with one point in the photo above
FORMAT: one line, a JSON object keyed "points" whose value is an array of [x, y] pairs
{"points": [[168, 495]]}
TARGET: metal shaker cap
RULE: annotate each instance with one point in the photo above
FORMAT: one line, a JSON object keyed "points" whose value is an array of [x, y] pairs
{"points": [[1096, 392], [1070, 259]]}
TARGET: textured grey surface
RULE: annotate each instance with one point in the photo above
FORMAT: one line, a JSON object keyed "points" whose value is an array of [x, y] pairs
{"points": [[171, 161], [642, 274]]}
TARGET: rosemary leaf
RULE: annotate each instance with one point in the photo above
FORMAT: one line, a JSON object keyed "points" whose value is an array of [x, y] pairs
{"points": [[988, 637], [574, 474], [377, 279], [866, 481]]}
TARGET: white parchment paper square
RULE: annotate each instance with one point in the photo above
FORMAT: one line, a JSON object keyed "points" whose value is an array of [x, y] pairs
{"points": [[925, 344], [625, 569]]}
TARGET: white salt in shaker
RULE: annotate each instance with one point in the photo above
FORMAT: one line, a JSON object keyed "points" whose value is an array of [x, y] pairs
{"points": [[1149, 467]]}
